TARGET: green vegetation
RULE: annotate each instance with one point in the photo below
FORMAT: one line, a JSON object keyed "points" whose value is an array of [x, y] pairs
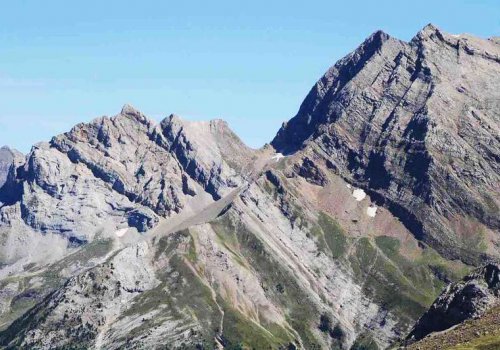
{"points": [[167, 244], [491, 342], [330, 237], [406, 287], [191, 254], [181, 296], [229, 240], [93, 250], [243, 333], [481, 333], [279, 284], [386, 283], [51, 278], [475, 242], [334, 235], [364, 342], [270, 189]]}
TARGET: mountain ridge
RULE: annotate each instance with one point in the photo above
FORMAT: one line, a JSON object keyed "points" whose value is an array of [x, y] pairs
{"points": [[130, 233], [392, 128]]}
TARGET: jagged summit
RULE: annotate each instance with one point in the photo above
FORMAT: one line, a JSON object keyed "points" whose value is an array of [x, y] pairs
{"points": [[394, 115], [129, 109], [427, 31], [132, 112]]}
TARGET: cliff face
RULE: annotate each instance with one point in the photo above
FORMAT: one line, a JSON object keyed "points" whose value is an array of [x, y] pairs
{"points": [[126, 233], [5, 163], [416, 124]]}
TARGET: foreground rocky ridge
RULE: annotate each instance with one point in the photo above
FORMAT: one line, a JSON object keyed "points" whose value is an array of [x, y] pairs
{"points": [[469, 304], [126, 233]]}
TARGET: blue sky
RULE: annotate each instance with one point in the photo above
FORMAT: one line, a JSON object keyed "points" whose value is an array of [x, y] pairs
{"points": [[250, 63]]}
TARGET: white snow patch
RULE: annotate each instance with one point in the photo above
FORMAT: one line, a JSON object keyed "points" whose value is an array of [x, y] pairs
{"points": [[278, 156], [121, 232], [359, 194], [371, 211]]}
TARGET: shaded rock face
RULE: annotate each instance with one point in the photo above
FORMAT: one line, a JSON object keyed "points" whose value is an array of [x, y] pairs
{"points": [[9, 159], [418, 124], [6, 161], [311, 172], [467, 299]]}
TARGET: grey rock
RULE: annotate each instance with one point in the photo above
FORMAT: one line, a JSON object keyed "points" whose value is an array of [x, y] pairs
{"points": [[6, 160], [126, 233], [461, 301], [9, 160], [311, 172], [417, 124]]}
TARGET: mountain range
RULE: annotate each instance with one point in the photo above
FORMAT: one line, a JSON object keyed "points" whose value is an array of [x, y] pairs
{"points": [[378, 197]]}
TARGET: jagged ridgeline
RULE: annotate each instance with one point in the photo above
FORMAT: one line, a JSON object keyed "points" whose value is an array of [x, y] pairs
{"points": [[125, 233]]}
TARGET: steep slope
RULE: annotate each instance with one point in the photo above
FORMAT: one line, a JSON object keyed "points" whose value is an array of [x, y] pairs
{"points": [[9, 159], [126, 169], [482, 333], [417, 125], [6, 161]]}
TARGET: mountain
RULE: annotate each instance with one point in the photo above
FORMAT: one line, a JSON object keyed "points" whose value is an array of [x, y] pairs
{"points": [[383, 189], [417, 125]]}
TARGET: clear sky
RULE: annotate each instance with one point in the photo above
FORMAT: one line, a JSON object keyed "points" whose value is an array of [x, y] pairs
{"points": [[248, 62]]}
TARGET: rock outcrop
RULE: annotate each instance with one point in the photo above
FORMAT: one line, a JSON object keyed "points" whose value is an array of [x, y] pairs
{"points": [[468, 299], [6, 161], [9, 159]]}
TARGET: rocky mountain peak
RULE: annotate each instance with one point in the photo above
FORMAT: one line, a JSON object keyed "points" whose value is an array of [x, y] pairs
{"points": [[130, 111], [376, 39], [8, 158], [409, 116], [428, 31], [314, 110], [144, 170], [5, 163]]}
